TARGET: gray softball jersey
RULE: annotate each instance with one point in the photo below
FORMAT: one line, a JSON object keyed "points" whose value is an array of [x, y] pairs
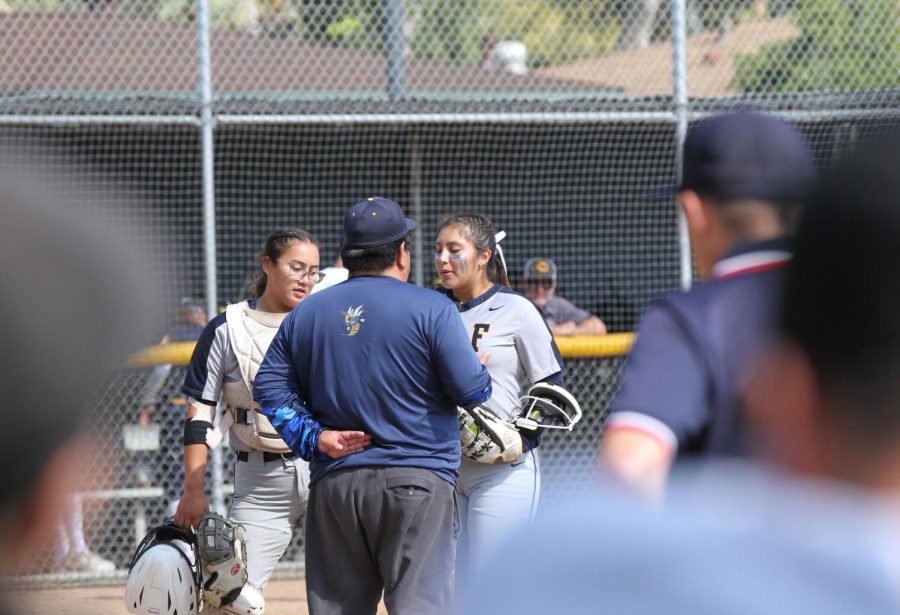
{"points": [[507, 325]]}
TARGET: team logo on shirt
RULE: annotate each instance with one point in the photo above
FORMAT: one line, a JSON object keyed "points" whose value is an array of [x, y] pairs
{"points": [[478, 331], [353, 320]]}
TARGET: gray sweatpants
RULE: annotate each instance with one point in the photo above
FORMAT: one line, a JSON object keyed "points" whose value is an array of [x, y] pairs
{"points": [[374, 529], [269, 502]]}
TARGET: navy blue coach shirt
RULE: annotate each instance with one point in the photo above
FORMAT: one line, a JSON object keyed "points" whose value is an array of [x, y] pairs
{"points": [[682, 381], [377, 355]]}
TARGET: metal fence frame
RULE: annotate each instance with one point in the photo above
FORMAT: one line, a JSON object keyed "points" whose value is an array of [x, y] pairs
{"points": [[679, 114]]}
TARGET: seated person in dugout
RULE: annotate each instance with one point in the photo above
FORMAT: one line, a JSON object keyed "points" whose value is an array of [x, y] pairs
{"points": [[562, 316]]}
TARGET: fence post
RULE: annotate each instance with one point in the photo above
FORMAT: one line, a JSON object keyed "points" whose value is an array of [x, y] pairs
{"points": [[204, 63], [415, 196], [395, 49], [680, 109]]}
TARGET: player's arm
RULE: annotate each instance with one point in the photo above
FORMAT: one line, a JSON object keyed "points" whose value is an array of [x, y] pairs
{"points": [[540, 356], [193, 502], [277, 392], [202, 385], [464, 377]]}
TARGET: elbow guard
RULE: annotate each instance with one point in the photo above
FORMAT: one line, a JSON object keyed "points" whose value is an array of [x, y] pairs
{"points": [[195, 431], [198, 427]]}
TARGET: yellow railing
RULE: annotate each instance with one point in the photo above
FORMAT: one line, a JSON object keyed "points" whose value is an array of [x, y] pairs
{"points": [[595, 346], [579, 346], [176, 353]]}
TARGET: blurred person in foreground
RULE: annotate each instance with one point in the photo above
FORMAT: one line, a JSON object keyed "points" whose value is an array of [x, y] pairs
{"points": [[745, 177], [78, 299], [816, 529], [562, 316], [188, 320]]}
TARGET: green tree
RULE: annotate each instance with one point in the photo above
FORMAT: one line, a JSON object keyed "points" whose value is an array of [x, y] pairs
{"points": [[844, 46], [251, 15], [42, 6], [554, 30]]}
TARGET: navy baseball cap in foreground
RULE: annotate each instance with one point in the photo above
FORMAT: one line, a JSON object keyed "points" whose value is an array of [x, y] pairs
{"points": [[745, 155], [375, 222]]}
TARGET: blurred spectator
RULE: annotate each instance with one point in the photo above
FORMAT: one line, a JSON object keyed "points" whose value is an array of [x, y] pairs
{"points": [[79, 300], [563, 317], [187, 324], [730, 541], [825, 401]]}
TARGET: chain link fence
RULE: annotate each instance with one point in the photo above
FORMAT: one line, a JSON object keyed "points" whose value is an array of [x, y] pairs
{"points": [[139, 470], [228, 118]]}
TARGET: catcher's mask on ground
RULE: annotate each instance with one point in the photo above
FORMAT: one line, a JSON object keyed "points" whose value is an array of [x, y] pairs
{"points": [[163, 578], [548, 406]]}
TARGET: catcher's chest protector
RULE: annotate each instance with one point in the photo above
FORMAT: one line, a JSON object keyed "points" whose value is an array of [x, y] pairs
{"points": [[250, 333]]}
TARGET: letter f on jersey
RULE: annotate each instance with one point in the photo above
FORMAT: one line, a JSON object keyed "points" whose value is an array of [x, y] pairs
{"points": [[478, 331]]}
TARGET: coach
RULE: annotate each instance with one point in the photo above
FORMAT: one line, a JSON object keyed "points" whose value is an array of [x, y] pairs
{"points": [[744, 176], [375, 357]]}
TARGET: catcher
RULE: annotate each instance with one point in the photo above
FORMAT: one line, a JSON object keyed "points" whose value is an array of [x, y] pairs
{"points": [[271, 482]]}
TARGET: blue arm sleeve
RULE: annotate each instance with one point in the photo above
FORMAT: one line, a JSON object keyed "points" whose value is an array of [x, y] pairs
{"points": [[297, 428], [276, 391], [466, 381]]}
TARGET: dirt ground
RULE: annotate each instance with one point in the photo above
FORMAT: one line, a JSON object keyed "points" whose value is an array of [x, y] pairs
{"points": [[283, 597]]}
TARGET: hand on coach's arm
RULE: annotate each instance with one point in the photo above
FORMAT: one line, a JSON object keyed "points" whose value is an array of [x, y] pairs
{"points": [[337, 444]]}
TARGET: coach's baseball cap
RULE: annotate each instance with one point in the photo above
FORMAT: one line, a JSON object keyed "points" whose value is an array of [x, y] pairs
{"points": [[375, 222], [539, 268], [745, 155]]}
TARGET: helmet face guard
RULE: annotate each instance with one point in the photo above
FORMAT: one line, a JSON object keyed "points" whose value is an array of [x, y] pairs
{"points": [[163, 577], [167, 532], [548, 406]]}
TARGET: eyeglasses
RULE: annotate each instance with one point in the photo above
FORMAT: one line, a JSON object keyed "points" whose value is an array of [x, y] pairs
{"points": [[539, 283], [302, 271]]}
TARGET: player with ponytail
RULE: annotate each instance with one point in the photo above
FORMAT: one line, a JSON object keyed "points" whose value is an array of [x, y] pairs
{"points": [[496, 492]]}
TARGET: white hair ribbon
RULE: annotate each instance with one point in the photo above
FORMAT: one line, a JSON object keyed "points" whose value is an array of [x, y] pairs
{"points": [[500, 236]]}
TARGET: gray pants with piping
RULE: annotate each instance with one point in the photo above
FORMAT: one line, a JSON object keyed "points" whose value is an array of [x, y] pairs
{"points": [[269, 502], [375, 529]]}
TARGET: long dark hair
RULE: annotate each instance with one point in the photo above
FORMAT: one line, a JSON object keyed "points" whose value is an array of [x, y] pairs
{"points": [[275, 245], [481, 232]]}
